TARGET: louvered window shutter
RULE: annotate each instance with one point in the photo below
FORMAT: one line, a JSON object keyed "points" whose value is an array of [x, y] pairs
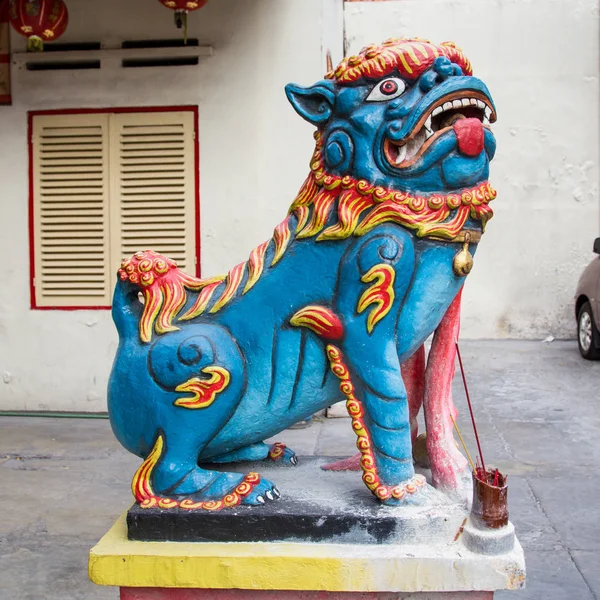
{"points": [[71, 210], [153, 183], [106, 185]]}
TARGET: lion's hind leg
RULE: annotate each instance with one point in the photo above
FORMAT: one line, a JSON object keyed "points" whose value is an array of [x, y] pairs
{"points": [[201, 372], [169, 478]]}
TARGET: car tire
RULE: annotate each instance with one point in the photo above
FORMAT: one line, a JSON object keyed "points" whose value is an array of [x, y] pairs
{"points": [[588, 337]]}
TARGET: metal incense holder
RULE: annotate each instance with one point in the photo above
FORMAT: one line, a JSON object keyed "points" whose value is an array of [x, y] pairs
{"points": [[490, 501], [488, 530]]}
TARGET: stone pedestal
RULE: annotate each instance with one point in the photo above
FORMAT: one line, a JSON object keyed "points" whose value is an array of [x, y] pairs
{"points": [[309, 545]]}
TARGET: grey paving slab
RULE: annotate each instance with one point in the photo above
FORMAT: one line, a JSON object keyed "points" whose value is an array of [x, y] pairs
{"points": [[550, 576], [588, 564], [57, 437], [573, 506], [337, 439], [70, 498], [302, 441], [533, 527], [550, 446], [51, 568], [531, 381]]}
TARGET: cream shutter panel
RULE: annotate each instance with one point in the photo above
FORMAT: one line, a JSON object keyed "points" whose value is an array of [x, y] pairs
{"points": [[71, 210], [153, 185]]}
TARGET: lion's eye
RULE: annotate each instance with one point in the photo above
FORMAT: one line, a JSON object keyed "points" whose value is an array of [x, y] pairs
{"points": [[387, 90]]}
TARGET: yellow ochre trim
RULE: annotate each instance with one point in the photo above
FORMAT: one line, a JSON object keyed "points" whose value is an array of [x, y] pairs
{"points": [[466, 235]]}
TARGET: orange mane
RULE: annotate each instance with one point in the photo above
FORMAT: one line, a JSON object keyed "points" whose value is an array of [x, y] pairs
{"points": [[409, 57]]}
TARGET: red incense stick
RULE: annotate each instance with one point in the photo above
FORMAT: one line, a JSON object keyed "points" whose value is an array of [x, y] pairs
{"points": [[462, 370]]}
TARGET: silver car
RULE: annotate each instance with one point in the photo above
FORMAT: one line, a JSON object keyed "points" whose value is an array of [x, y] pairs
{"points": [[587, 308]]}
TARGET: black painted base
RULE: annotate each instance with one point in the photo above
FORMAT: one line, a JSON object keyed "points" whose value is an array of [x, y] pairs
{"points": [[315, 506]]}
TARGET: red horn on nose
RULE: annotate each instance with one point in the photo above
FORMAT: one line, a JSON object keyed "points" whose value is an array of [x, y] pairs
{"points": [[469, 135]]}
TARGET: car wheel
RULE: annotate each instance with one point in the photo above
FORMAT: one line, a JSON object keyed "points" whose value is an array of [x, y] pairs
{"points": [[587, 334]]}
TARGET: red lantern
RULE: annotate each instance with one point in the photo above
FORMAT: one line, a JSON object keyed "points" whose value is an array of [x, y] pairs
{"points": [[182, 8], [39, 20]]}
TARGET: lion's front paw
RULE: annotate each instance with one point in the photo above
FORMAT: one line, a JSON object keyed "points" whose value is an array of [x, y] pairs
{"points": [[263, 492]]}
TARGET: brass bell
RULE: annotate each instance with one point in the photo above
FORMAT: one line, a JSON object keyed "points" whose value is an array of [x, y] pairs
{"points": [[463, 261]]}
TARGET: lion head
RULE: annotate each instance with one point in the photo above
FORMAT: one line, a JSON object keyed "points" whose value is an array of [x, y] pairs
{"points": [[403, 135]]}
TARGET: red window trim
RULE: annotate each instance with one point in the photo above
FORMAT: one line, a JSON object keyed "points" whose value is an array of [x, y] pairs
{"points": [[79, 111]]}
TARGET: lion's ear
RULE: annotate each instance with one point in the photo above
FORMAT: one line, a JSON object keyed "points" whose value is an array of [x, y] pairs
{"points": [[315, 103]]}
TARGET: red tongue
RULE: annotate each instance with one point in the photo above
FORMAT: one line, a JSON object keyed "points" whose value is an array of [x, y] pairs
{"points": [[469, 134]]}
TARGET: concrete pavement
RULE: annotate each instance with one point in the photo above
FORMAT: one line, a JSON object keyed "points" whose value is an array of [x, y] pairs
{"points": [[63, 482]]}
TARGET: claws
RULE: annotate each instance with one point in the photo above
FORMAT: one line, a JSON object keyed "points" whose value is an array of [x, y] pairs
{"points": [[281, 453], [265, 493]]}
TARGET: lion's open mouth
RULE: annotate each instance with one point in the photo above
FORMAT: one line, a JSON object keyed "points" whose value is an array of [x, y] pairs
{"points": [[440, 117]]}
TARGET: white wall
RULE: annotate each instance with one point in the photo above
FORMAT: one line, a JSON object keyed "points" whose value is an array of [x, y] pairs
{"points": [[540, 61], [539, 57], [254, 154]]}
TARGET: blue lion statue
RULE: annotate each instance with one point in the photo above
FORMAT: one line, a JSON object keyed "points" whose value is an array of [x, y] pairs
{"points": [[374, 250]]}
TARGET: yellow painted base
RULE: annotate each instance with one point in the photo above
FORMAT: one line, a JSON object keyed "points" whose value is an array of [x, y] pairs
{"points": [[116, 561]]}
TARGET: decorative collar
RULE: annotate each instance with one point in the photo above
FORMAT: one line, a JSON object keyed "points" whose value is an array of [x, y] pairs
{"points": [[361, 206]]}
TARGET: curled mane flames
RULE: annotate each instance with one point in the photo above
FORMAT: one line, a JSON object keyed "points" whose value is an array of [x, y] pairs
{"points": [[362, 206], [409, 57]]}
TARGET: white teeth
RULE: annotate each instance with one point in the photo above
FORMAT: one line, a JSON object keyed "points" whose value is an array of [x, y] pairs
{"points": [[401, 154], [413, 146], [428, 130]]}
